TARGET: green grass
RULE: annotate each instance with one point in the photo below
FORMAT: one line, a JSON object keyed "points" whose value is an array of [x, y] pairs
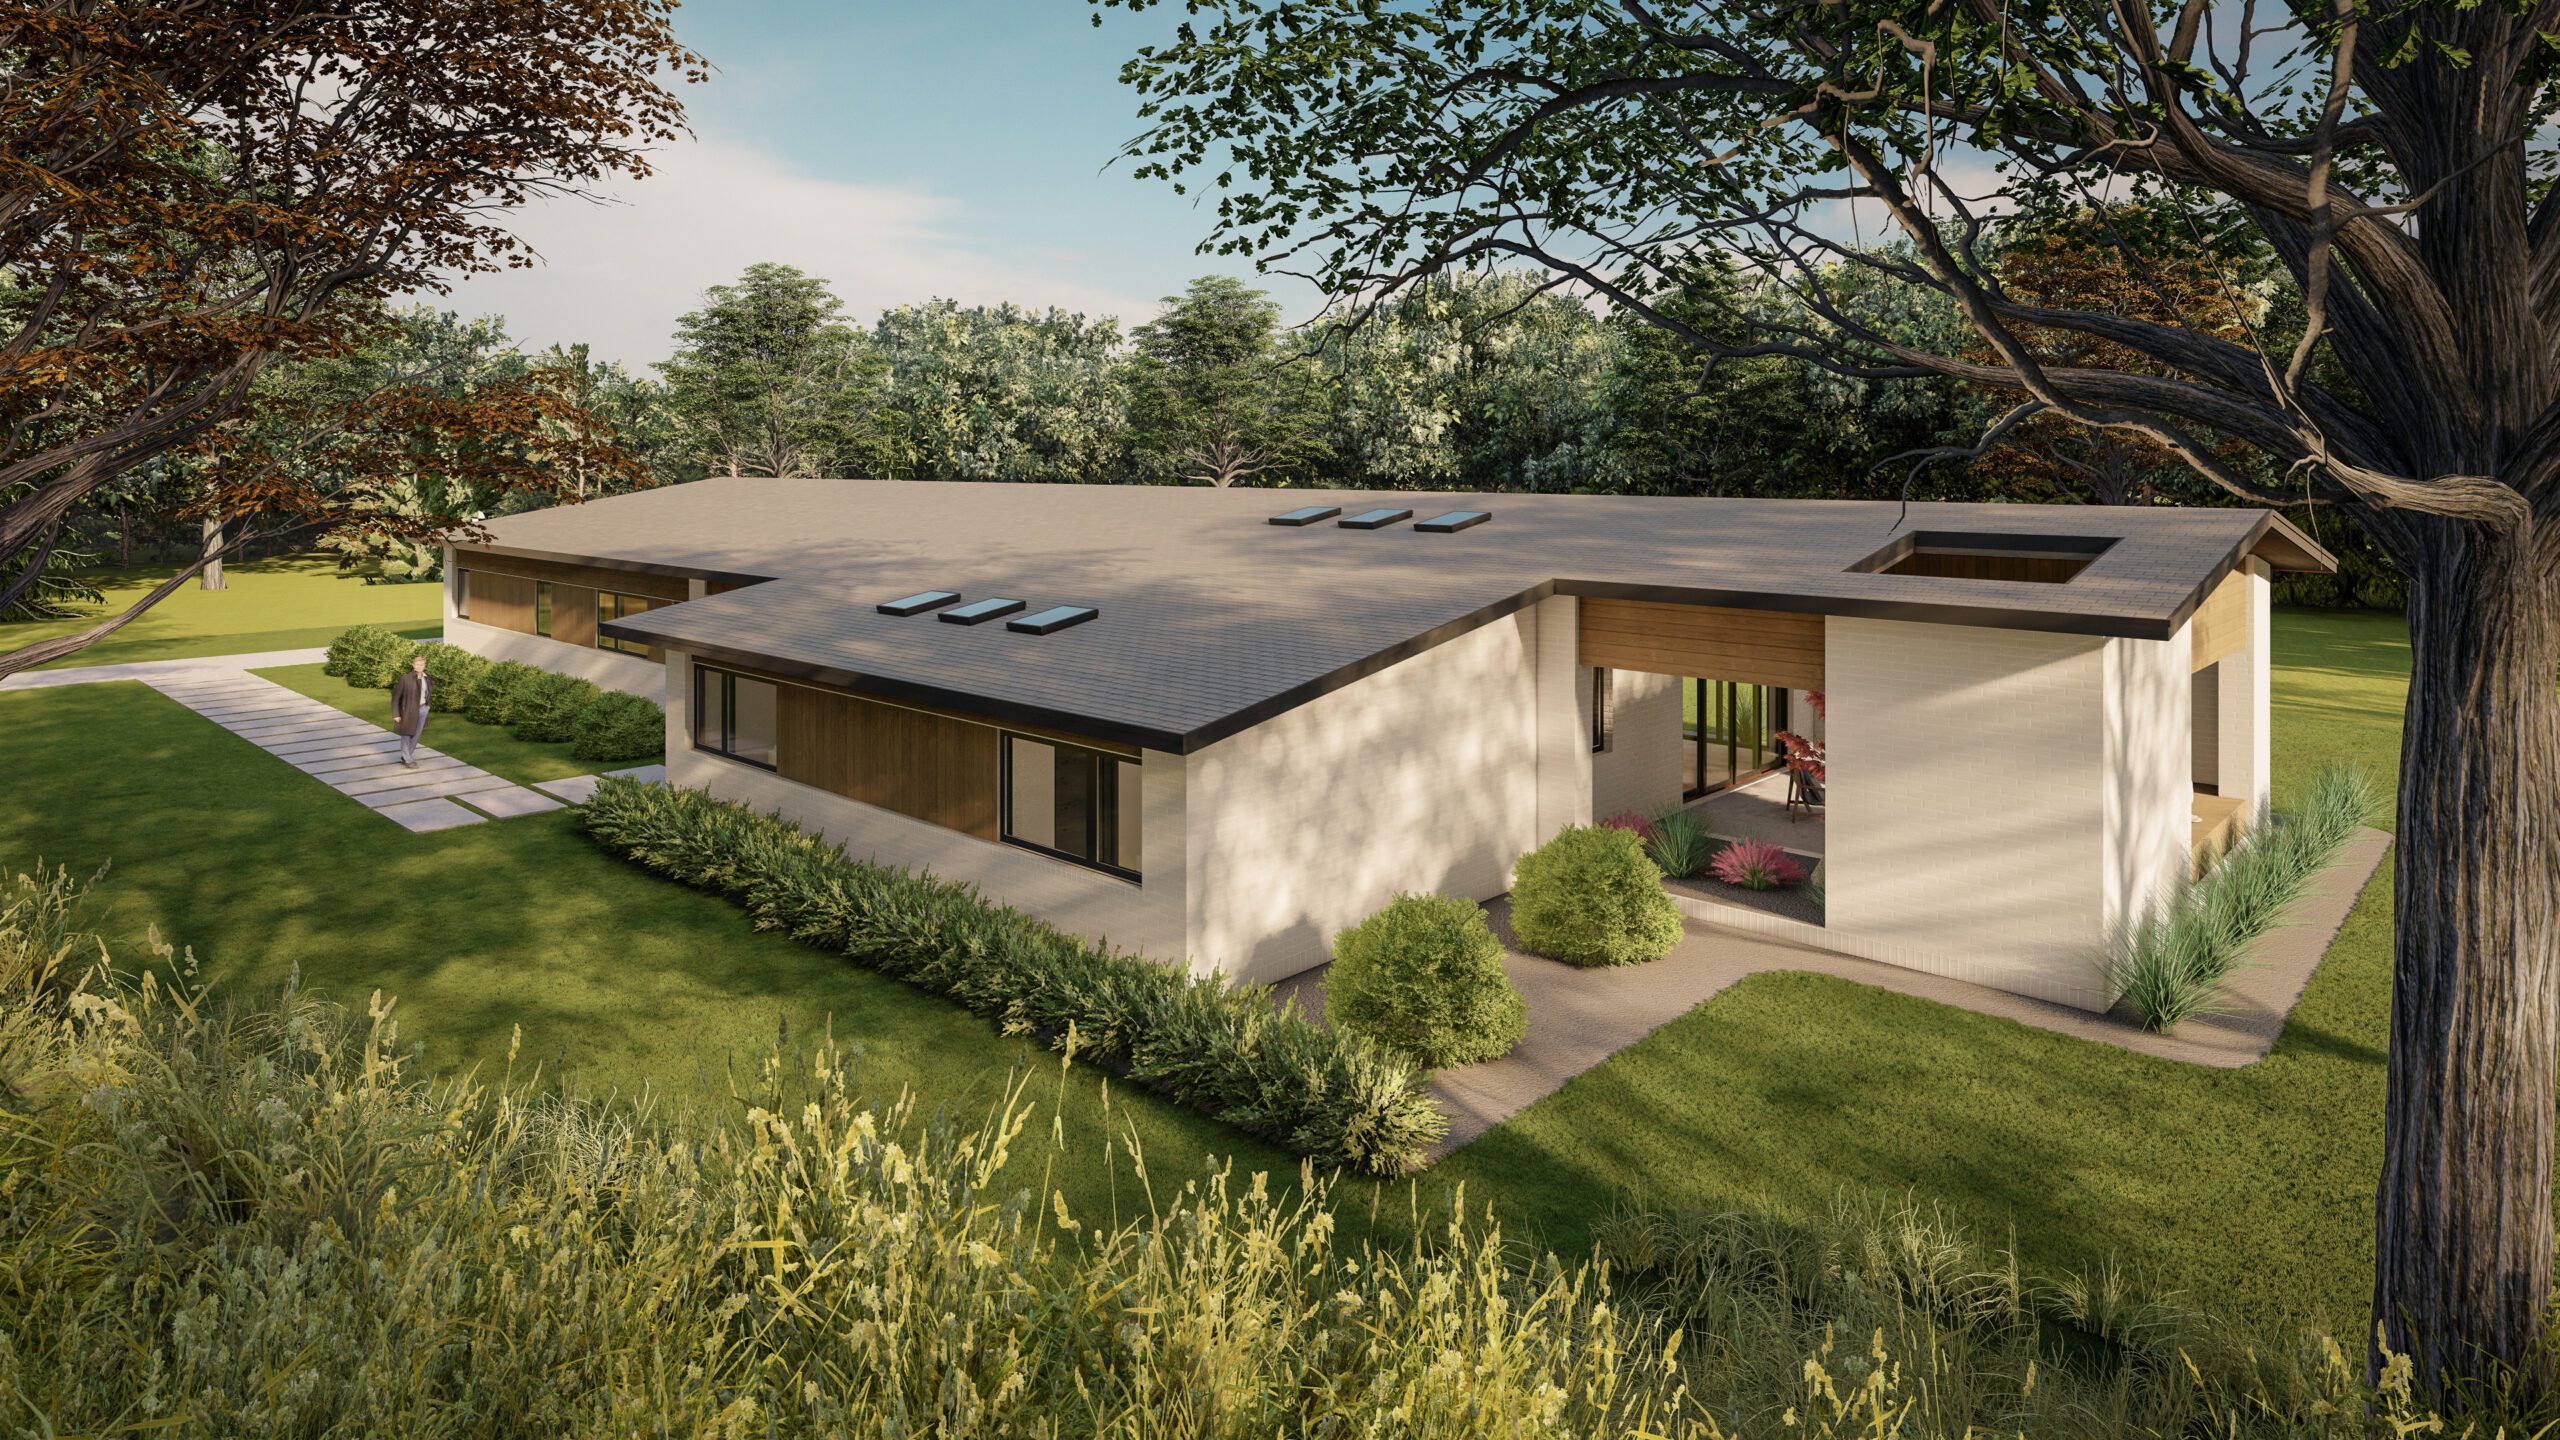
{"points": [[2249, 1191], [489, 747], [284, 604], [620, 981]]}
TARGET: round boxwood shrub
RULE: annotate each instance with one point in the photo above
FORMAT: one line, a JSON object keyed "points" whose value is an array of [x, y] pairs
{"points": [[1424, 976], [549, 707], [1591, 897], [493, 701], [455, 670], [368, 656], [618, 727]]}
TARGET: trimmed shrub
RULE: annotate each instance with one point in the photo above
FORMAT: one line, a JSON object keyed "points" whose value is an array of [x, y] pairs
{"points": [[2170, 963], [368, 656], [1424, 975], [1591, 897], [1226, 1050], [456, 671], [1756, 865], [494, 700], [548, 709], [618, 727], [1680, 844]]}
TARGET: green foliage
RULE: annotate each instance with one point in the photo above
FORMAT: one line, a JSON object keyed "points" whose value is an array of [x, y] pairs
{"points": [[369, 657], [767, 379], [1225, 1050], [1216, 398], [548, 709], [1590, 896], [2171, 962], [1680, 844], [999, 392], [1424, 975], [500, 694], [616, 726], [456, 673]]}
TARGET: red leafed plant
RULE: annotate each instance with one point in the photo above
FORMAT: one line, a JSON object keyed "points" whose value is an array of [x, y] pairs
{"points": [[1631, 821], [1756, 865], [1808, 757]]}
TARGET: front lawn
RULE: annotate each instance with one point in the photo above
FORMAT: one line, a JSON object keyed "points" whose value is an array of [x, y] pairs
{"points": [[620, 981], [488, 746], [283, 604]]}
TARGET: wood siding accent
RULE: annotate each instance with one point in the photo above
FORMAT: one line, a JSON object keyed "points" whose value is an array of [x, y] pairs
{"points": [[573, 615], [593, 577], [2221, 623], [501, 601], [1756, 647], [934, 768]]}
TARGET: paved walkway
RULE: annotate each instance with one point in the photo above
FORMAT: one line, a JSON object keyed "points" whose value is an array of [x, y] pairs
{"points": [[1579, 1018], [149, 670]]}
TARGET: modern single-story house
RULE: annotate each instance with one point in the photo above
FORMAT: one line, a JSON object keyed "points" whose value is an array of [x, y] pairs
{"points": [[1220, 726]]}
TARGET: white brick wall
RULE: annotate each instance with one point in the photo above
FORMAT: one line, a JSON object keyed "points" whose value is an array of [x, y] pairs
{"points": [[1422, 777], [2242, 680], [1641, 772], [1563, 723], [1147, 916], [1964, 828]]}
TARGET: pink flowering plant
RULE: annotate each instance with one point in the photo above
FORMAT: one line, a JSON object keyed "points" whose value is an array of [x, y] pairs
{"points": [[1756, 865], [1634, 824]]}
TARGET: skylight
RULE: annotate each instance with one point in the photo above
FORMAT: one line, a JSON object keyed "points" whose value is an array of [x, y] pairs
{"points": [[1373, 519], [1453, 522], [978, 612], [2007, 557], [1306, 515], [919, 602], [1055, 618]]}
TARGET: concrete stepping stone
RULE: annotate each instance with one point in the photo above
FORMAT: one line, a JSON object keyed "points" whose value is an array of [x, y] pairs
{"points": [[574, 789], [374, 779], [422, 816], [462, 783], [511, 802]]}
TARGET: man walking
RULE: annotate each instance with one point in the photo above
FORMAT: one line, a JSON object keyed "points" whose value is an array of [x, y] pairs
{"points": [[409, 708]]}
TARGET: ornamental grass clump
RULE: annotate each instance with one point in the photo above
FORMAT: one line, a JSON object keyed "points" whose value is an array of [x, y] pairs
{"points": [[618, 727], [1680, 844], [2170, 963], [1424, 975], [494, 700], [1230, 1051], [549, 708], [1590, 896], [1754, 864]]}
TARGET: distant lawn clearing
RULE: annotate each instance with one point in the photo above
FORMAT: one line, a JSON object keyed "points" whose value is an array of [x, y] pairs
{"points": [[2250, 1191], [285, 604]]}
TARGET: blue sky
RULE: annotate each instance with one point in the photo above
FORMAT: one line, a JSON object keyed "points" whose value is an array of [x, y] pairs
{"points": [[902, 150]]}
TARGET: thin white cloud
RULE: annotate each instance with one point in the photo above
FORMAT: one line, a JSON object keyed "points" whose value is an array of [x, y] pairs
{"points": [[616, 275]]}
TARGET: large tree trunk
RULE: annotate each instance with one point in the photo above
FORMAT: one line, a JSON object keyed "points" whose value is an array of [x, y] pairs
{"points": [[2463, 1222], [210, 578]]}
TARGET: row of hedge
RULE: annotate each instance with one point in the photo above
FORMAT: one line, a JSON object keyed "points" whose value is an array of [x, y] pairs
{"points": [[1227, 1050], [533, 704]]}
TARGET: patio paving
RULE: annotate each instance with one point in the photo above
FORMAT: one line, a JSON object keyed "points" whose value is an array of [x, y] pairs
{"points": [[1758, 810], [1579, 1018]]}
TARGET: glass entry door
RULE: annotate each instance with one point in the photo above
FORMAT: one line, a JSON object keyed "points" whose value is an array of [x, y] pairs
{"points": [[1732, 732]]}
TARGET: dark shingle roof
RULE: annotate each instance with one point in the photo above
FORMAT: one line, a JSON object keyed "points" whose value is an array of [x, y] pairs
{"points": [[1212, 619]]}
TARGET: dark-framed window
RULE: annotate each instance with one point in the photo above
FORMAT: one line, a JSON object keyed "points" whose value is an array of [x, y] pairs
{"points": [[541, 607], [1073, 803], [1604, 718], [614, 605], [738, 716], [461, 593]]}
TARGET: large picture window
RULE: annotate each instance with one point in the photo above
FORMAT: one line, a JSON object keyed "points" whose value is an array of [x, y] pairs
{"points": [[613, 605], [735, 715], [1077, 804]]}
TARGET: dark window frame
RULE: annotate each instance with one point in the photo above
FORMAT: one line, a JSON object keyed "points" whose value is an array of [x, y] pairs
{"points": [[615, 644], [729, 716], [1604, 710], [461, 593], [1106, 804], [543, 610]]}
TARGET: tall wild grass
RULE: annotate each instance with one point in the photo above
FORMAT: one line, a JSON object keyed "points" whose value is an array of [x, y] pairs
{"points": [[228, 1219], [2171, 962]]}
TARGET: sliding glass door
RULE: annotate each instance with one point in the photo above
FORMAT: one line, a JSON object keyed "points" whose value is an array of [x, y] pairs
{"points": [[1731, 732]]}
